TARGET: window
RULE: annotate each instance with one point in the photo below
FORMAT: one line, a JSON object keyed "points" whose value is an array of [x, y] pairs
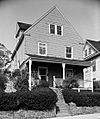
{"points": [[89, 51], [42, 48], [85, 53], [59, 30], [94, 67], [68, 52], [52, 29], [69, 73]]}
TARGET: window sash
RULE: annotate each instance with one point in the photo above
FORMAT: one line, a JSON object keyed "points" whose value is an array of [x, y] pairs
{"points": [[42, 49], [59, 30], [68, 52], [52, 29]]}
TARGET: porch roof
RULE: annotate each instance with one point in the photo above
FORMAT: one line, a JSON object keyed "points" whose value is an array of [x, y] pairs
{"points": [[59, 60]]}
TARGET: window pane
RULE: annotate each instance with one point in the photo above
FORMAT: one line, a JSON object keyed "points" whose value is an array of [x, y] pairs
{"points": [[85, 52], [68, 52], [89, 50], [42, 49], [59, 30], [52, 29]]}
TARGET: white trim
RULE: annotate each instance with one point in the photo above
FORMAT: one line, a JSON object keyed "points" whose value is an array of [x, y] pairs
{"points": [[46, 71], [71, 53], [45, 47], [56, 30], [62, 30]]}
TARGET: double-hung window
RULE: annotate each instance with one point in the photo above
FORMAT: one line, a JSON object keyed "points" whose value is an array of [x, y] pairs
{"points": [[52, 29], [42, 48], [55, 29], [69, 52]]}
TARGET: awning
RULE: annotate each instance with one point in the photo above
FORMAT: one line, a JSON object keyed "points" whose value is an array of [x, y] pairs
{"points": [[59, 60]]}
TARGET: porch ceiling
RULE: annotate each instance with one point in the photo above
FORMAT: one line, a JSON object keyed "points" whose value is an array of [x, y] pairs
{"points": [[59, 60]]}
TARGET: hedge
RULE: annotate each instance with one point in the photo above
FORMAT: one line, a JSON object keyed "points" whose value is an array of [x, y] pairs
{"points": [[37, 99], [82, 98]]}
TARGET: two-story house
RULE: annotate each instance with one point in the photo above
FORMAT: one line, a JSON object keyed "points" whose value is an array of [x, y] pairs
{"points": [[91, 52], [50, 46]]}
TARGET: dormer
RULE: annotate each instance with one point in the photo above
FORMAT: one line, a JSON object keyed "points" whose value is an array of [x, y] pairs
{"points": [[91, 48]]}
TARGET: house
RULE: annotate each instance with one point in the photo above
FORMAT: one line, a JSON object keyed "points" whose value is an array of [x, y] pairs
{"points": [[91, 52], [51, 47]]}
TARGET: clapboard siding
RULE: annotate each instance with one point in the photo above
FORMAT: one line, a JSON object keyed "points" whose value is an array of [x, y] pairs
{"points": [[55, 44]]}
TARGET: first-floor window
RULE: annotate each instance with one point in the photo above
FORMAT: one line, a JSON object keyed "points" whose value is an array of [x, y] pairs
{"points": [[42, 48], [69, 73]]}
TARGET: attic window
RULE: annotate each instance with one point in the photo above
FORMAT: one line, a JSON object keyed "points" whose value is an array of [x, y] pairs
{"points": [[52, 29], [55, 29], [59, 30]]}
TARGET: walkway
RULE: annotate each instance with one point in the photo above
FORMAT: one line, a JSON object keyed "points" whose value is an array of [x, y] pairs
{"points": [[88, 116]]}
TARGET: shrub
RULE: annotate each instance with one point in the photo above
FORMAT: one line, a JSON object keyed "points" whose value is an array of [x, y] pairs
{"points": [[37, 99], [8, 101], [3, 80], [43, 83], [82, 98]]}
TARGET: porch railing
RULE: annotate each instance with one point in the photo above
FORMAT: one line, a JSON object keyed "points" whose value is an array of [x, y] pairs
{"points": [[57, 82]]}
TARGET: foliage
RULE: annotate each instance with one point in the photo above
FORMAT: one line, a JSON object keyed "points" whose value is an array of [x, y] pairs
{"points": [[70, 83], [37, 99], [82, 98], [43, 83], [20, 80], [3, 80]]}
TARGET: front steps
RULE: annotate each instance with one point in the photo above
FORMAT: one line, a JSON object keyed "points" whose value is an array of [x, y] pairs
{"points": [[63, 107]]}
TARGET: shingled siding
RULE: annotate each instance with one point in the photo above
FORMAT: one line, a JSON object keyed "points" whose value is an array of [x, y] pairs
{"points": [[55, 43]]}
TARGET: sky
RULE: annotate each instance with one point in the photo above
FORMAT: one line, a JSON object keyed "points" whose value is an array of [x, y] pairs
{"points": [[84, 15]]}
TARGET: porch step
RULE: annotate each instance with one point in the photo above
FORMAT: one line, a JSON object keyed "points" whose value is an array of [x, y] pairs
{"points": [[63, 107]]}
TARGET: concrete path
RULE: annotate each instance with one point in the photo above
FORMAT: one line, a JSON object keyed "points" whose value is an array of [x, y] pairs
{"points": [[88, 116]]}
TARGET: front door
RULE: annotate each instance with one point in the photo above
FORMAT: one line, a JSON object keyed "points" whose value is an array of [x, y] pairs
{"points": [[43, 71]]}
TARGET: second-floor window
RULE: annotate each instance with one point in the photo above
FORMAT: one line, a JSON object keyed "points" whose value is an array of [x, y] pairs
{"points": [[94, 66], [55, 29], [69, 52], [42, 48], [89, 51]]}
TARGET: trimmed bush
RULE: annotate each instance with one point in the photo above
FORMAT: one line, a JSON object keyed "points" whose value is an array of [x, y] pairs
{"points": [[43, 83], [82, 98], [37, 99]]}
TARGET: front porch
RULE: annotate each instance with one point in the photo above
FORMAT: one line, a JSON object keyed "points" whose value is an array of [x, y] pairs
{"points": [[50, 68]]}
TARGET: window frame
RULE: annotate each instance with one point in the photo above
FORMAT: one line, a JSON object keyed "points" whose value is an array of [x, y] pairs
{"points": [[44, 47], [56, 30], [85, 53], [69, 53], [90, 51]]}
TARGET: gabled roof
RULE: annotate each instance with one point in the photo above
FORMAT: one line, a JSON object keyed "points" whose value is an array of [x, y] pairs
{"points": [[94, 44]]}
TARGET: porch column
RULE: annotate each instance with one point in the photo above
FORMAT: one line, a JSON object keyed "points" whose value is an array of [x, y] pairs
{"points": [[91, 78], [30, 62], [63, 66]]}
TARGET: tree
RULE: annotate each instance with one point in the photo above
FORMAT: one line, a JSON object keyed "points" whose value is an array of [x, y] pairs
{"points": [[21, 80]]}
